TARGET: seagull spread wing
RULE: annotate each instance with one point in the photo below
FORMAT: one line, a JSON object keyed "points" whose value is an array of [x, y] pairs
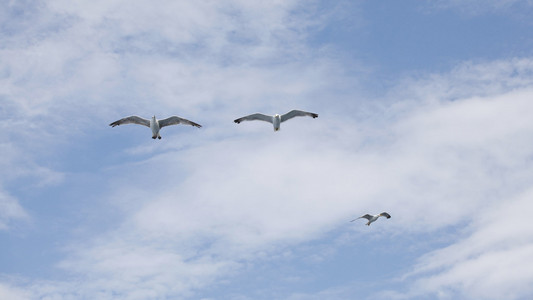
{"points": [[384, 214], [257, 116], [367, 216], [297, 113], [131, 120], [174, 120]]}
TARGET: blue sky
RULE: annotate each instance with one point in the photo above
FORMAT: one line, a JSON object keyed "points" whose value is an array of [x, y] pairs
{"points": [[424, 112]]}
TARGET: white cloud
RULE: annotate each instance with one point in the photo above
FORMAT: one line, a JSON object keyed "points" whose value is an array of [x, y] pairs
{"points": [[489, 263], [110, 56], [10, 292], [137, 268]]}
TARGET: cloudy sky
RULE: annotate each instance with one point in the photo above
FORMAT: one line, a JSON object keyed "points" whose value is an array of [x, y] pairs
{"points": [[425, 111]]}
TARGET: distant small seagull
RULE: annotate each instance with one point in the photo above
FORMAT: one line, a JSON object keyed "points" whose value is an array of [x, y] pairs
{"points": [[154, 124], [276, 119], [372, 218]]}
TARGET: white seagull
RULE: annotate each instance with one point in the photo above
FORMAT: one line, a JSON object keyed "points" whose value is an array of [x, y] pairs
{"points": [[154, 124], [276, 119], [372, 218]]}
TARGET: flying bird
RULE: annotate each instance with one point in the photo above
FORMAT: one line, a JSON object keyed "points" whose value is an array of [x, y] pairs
{"points": [[372, 218], [276, 119], [154, 124]]}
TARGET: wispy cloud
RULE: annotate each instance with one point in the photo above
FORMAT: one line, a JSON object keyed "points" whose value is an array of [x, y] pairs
{"points": [[476, 7], [11, 292], [10, 210], [489, 263]]}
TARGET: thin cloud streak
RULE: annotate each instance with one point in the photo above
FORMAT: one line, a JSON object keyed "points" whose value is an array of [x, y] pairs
{"points": [[478, 7]]}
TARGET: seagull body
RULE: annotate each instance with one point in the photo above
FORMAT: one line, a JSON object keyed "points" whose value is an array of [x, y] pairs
{"points": [[154, 124], [373, 218], [276, 119]]}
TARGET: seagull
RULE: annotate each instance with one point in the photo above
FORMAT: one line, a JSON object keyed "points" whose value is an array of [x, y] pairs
{"points": [[276, 119], [372, 218], [154, 123]]}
